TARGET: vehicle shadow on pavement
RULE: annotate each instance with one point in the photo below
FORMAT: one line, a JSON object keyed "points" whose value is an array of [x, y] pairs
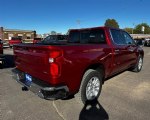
{"points": [[93, 111], [9, 61]]}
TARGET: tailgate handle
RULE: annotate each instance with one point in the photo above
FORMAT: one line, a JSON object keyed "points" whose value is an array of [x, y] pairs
{"points": [[131, 49], [117, 50]]}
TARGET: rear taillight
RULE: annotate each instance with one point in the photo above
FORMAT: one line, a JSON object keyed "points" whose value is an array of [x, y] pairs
{"points": [[54, 69], [54, 65], [55, 54]]}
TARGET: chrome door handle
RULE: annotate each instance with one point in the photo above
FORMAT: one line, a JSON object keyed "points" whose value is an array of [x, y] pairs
{"points": [[131, 50]]}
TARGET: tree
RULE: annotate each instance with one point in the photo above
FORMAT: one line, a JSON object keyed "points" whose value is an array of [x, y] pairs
{"points": [[138, 29], [53, 33], [111, 23], [129, 30]]}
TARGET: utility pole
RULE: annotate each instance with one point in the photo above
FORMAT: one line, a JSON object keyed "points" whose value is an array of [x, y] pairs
{"points": [[143, 29], [133, 28], [78, 23]]}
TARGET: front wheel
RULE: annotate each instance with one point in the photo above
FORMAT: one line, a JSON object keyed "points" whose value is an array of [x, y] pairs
{"points": [[91, 86]]}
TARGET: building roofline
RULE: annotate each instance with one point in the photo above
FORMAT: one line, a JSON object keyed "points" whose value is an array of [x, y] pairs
{"points": [[18, 30]]}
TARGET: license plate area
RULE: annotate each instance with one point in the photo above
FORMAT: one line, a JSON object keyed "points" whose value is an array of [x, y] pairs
{"points": [[28, 79]]}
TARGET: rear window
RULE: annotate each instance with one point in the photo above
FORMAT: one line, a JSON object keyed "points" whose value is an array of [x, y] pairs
{"points": [[87, 36], [74, 37]]}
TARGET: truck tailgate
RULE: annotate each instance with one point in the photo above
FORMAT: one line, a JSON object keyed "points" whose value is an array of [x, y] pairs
{"points": [[33, 60]]}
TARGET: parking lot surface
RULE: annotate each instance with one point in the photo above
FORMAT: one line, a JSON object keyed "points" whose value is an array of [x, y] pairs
{"points": [[124, 97]]}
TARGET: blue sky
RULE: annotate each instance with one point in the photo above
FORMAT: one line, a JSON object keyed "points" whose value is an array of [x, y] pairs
{"points": [[61, 15]]}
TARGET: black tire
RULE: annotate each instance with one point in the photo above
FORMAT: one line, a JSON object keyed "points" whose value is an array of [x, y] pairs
{"points": [[90, 75], [2, 65], [138, 67]]}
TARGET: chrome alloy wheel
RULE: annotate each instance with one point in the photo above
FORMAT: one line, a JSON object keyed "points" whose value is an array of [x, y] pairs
{"points": [[92, 88], [140, 64]]}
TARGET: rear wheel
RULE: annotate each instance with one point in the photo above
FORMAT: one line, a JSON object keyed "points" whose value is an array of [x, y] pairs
{"points": [[139, 64], [91, 86]]}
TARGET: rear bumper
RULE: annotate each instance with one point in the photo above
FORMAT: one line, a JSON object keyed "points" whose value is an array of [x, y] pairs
{"points": [[41, 88]]}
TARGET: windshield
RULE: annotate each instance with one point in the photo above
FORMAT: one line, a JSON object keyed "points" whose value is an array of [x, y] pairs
{"points": [[15, 38], [49, 39], [37, 38], [53, 39]]}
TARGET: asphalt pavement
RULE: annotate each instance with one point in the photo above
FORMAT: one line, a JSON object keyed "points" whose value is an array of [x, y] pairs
{"points": [[124, 97]]}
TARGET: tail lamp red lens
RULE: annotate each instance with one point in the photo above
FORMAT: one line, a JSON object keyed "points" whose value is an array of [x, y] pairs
{"points": [[54, 66], [54, 69], [55, 54]]}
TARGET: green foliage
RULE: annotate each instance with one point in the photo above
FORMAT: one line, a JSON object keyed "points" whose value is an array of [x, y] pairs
{"points": [[129, 30], [138, 29], [53, 33], [111, 23]]}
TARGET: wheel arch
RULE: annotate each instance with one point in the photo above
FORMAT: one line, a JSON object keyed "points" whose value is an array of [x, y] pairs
{"points": [[99, 67]]}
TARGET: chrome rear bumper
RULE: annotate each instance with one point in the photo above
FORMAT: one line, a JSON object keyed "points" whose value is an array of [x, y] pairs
{"points": [[41, 88]]}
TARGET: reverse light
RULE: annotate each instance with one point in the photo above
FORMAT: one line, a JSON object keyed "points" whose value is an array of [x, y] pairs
{"points": [[51, 60]]}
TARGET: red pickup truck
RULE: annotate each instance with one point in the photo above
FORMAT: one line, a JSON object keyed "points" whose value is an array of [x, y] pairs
{"points": [[56, 70], [14, 41]]}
